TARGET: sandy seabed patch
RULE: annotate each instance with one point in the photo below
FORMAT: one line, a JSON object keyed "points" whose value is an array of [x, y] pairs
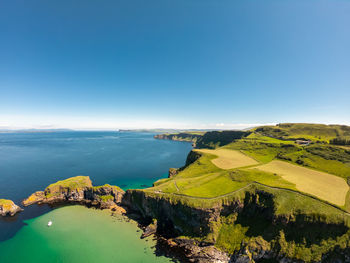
{"points": [[322, 185], [229, 159]]}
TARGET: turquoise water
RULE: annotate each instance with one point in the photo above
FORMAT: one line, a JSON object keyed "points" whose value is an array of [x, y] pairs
{"points": [[31, 161], [79, 234]]}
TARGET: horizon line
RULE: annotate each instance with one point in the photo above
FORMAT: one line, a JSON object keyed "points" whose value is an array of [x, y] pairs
{"points": [[217, 127]]}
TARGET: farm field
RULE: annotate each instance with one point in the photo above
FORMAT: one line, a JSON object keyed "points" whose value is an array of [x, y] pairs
{"points": [[322, 185], [229, 159], [271, 176], [318, 170]]}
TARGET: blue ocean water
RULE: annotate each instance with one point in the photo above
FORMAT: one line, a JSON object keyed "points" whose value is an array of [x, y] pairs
{"points": [[31, 161]]}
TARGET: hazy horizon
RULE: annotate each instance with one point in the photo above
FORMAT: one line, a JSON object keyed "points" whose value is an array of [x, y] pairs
{"points": [[221, 126]]}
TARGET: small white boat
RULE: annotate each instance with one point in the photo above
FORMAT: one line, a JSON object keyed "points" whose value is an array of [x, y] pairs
{"points": [[49, 223]]}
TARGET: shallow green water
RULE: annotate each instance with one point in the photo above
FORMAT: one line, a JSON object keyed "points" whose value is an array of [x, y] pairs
{"points": [[79, 234]]}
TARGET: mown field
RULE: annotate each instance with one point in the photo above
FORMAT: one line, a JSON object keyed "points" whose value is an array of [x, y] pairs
{"points": [[322, 185], [319, 170], [229, 159]]}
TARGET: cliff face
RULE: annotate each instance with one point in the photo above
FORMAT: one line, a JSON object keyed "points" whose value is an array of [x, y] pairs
{"points": [[204, 228], [176, 219], [186, 137], [191, 158], [216, 139], [173, 219], [211, 139], [77, 189], [8, 207]]}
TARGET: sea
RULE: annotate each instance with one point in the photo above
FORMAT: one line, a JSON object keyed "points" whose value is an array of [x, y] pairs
{"points": [[31, 161]]}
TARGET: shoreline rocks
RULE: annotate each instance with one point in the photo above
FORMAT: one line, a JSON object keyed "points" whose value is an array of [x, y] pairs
{"points": [[8, 208], [149, 230], [190, 250]]}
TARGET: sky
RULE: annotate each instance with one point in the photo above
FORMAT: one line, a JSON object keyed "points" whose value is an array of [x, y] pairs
{"points": [[108, 64]]}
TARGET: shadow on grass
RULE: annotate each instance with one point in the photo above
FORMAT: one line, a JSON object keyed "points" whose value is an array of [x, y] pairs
{"points": [[258, 216]]}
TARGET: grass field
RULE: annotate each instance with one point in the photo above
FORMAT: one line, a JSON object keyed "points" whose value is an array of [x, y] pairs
{"points": [[274, 177], [322, 185], [314, 132], [229, 159], [217, 185], [319, 169], [72, 183], [6, 204], [262, 148]]}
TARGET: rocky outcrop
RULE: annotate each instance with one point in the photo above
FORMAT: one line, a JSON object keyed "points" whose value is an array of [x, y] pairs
{"points": [[191, 158], [104, 196], [186, 137], [151, 229], [77, 189], [189, 250], [173, 172], [8, 208]]}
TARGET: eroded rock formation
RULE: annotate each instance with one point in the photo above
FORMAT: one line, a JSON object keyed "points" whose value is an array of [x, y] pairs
{"points": [[8, 207]]}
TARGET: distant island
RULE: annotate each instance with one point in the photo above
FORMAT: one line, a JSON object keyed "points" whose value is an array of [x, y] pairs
{"points": [[268, 194]]}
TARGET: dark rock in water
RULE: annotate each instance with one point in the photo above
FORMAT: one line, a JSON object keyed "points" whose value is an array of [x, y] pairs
{"points": [[144, 185], [190, 250]]}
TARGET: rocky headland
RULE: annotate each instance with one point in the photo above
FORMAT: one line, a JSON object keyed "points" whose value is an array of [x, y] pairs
{"points": [[190, 230], [8, 208], [80, 190]]}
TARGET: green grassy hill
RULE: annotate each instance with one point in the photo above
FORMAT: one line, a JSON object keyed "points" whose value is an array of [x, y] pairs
{"points": [[282, 212], [314, 132]]}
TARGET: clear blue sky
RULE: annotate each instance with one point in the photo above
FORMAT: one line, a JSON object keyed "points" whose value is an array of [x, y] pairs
{"points": [[173, 63]]}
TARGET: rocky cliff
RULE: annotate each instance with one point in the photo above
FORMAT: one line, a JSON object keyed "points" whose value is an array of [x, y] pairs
{"points": [[199, 233], [212, 139], [191, 158], [8, 207], [186, 137], [77, 189]]}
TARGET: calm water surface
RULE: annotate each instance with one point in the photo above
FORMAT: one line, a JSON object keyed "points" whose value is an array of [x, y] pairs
{"points": [[31, 161], [79, 234]]}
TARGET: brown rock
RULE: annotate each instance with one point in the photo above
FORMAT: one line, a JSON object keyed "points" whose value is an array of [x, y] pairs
{"points": [[8, 207]]}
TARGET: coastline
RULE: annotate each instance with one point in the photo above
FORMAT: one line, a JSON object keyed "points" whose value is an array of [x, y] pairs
{"points": [[188, 229]]}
